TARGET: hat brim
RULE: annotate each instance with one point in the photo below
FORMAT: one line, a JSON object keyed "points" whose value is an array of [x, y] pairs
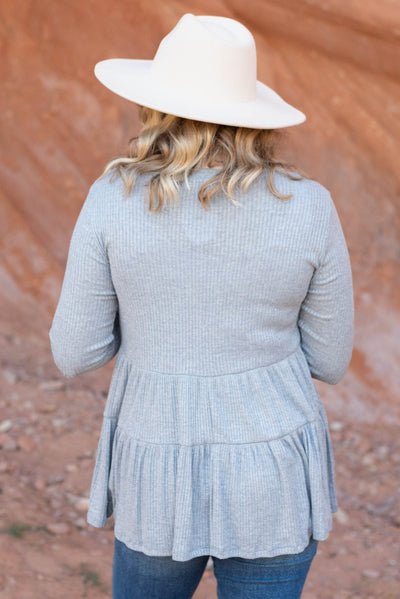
{"points": [[131, 79]]}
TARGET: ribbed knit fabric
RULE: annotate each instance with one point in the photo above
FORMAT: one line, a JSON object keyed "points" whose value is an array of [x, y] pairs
{"points": [[214, 438]]}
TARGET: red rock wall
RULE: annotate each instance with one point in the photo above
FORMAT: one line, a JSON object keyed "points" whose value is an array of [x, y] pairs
{"points": [[336, 61]]}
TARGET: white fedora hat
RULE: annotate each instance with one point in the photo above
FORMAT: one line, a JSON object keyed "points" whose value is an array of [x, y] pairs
{"points": [[204, 69]]}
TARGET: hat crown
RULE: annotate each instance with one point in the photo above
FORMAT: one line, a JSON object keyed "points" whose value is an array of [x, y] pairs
{"points": [[204, 69], [209, 58]]}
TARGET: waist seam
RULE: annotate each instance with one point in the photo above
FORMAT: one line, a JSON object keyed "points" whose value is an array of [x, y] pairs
{"points": [[207, 376], [317, 414]]}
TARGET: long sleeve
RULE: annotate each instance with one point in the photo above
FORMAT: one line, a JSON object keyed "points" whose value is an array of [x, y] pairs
{"points": [[85, 332], [326, 317]]}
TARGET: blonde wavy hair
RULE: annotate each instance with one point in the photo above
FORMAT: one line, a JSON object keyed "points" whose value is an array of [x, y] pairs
{"points": [[173, 147]]}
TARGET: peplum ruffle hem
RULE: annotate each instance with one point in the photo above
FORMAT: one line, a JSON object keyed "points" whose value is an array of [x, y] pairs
{"points": [[238, 464]]}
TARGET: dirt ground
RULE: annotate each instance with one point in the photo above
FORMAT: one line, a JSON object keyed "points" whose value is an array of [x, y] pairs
{"points": [[49, 428]]}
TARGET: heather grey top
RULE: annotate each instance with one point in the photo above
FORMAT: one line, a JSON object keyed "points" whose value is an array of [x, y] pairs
{"points": [[214, 438]]}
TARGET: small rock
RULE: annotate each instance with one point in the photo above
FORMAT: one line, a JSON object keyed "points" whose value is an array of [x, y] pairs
{"points": [[58, 422], [336, 426], [396, 519], [382, 451], [16, 493], [58, 527], [382, 508], [10, 376], [53, 490], [26, 443], [371, 573], [7, 442], [30, 430], [40, 483], [82, 504], [11, 468], [341, 516], [368, 459], [355, 439], [55, 385], [5, 426], [80, 523], [88, 455], [71, 468], [55, 479]]}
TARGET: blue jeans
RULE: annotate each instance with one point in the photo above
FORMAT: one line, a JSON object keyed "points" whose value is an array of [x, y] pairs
{"points": [[140, 576]]}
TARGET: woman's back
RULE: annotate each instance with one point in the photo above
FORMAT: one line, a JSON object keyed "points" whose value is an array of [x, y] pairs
{"points": [[223, 286], [220, 318]]}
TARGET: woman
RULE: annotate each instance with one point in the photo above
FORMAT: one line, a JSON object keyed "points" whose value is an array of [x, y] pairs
{"points": [[222, 280]]}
